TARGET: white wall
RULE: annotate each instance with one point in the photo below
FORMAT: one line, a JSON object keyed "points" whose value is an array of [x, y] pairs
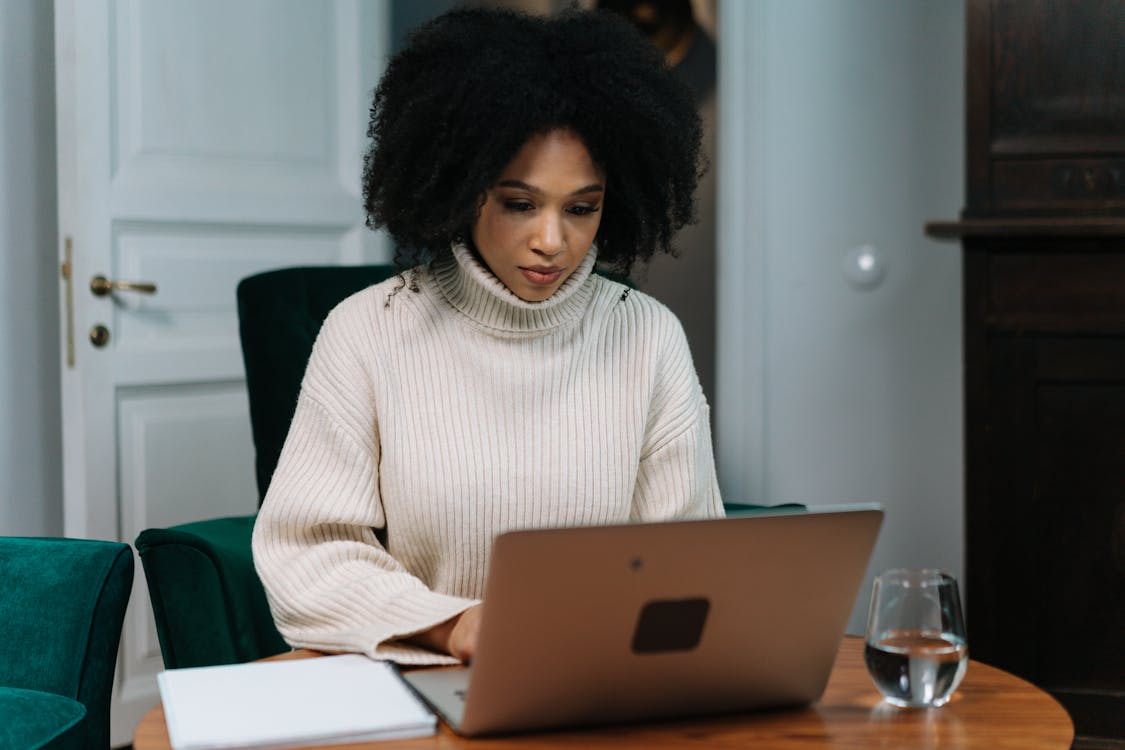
{"points": [[841, 125], [30, 440]]}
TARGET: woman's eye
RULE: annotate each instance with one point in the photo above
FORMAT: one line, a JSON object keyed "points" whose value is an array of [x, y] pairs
{"points": [[519, 206], [583, 210]]}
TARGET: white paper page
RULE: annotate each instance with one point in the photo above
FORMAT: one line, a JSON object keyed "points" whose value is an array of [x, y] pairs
{"points": [[289, 703]]}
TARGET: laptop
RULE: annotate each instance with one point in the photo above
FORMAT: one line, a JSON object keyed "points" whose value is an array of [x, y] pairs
{"points": [[609, 624]]}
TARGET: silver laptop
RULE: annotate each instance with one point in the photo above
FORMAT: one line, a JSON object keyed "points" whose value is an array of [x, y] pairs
{"points": [[609, 624]]}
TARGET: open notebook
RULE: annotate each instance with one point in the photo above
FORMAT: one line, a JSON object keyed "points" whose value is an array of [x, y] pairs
{"points": [[290, 703]]}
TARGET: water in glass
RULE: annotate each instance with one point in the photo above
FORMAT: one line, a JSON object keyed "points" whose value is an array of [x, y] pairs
{"points": [[916, 651], [915, 668]]}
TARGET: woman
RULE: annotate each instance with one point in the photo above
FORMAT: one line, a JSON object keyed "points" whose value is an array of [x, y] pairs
{"points": [[498, 383]]}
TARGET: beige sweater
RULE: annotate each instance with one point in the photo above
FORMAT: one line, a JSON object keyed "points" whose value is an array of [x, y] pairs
{"points": [[442, 417]]}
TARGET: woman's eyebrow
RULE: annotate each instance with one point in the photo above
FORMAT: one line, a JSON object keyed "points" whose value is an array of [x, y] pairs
{"points": [[520, 185]]}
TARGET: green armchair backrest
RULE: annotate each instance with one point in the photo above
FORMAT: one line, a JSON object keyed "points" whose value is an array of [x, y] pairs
{"points": [[280, 313], [62, 604], [207, 600]]}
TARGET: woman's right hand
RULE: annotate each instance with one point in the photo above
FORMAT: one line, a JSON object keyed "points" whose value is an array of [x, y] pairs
{"points": [[463, 636], [457, 636]]}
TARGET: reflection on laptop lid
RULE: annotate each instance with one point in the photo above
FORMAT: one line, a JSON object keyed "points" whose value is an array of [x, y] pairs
{"points": [[607, 624]]}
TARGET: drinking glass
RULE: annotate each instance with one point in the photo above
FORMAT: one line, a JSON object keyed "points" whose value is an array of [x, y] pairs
{"points": [[916, 650]]}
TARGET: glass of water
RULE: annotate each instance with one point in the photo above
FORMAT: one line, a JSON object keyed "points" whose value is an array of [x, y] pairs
{"points": [[916, 650]]}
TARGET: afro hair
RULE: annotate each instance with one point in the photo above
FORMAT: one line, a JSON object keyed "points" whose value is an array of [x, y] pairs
{"points": [[473, 85]]}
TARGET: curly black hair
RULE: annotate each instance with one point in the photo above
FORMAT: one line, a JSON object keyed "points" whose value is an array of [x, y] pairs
{"points": [[473, 85]]}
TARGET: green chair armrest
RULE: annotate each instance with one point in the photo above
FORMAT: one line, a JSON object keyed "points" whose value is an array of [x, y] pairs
{"points": [[208, 602]]}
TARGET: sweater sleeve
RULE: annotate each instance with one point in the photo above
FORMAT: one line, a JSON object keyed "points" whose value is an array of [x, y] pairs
{"points": [[676, 477], [331, 584]]}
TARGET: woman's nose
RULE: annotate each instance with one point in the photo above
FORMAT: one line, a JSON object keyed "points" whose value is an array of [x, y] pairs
{"points": [[548, 240]]}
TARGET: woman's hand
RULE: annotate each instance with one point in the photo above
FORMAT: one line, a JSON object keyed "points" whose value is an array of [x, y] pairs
{"points": [[463, 636], [457, 636]]}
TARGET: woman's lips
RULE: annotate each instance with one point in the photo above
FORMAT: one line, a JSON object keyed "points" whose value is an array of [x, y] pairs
{"points": [[542, 276]]}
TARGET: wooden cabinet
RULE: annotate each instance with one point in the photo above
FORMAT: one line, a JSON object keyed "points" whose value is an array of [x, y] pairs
{"points": [[1043, 238], [1045, 442], [1045, 82]]}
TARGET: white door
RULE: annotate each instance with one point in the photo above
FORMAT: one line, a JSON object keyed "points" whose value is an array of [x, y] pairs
{"points": [[199, 141]]}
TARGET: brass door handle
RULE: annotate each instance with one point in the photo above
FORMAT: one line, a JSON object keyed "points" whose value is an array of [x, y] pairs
{"points": [[101, 286]]}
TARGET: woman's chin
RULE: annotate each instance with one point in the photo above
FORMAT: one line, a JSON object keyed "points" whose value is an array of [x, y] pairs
{"points": [[530, 291], [533, 295]]}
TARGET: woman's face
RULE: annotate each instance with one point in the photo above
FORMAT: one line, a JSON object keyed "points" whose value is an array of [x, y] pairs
{"points": [[540, 218]]}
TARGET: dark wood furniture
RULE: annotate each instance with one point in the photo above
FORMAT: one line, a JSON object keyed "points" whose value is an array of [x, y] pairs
{"points": [[1043, 235], [991, 709]]}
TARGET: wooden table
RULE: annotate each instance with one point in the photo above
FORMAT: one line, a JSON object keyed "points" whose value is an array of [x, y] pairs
{"points": [[992, 709]]}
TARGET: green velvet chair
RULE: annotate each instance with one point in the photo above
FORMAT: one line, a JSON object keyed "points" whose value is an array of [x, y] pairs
{"points": [[208, 603], [62, 603]]}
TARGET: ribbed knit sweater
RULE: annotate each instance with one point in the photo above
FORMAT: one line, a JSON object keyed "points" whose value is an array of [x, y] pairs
{"points": [[430, 421]]}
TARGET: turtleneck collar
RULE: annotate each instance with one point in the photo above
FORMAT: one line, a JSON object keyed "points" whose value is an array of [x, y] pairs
{"points": [[471, 288]]}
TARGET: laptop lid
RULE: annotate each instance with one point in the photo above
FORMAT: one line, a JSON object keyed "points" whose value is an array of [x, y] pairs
{"points": [[610, 624]]}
